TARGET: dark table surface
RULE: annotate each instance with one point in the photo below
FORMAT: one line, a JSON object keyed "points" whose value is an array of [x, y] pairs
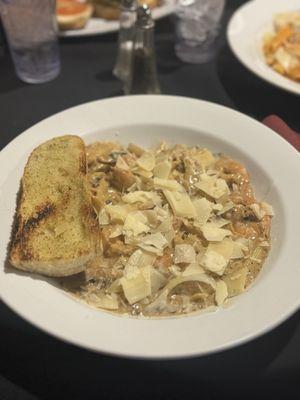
{"points": [[34, 365]]}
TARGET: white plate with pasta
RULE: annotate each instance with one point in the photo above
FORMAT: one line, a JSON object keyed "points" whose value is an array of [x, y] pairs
{"points": [[146, 121], [247, 32]]}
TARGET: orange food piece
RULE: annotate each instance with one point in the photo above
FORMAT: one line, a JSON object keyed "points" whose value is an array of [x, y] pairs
{"points": [[294, 73], [70, 8], [279, 68], [281, 37]]}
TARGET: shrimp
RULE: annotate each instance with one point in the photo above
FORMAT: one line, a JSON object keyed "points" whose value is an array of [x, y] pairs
{"points": [[234, 172]]}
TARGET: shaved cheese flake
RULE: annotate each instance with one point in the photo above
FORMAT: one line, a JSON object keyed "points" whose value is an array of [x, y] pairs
{"points": [[162, 169], [146, 259], [151, 249], [102, 300], [134, 186], [140, 259], [175, 270], [165, 225], [235, 187], [235, 281], [284, 58], [243, 242], [225, 248], [142, 172], [219, 221], [217, 207], [114, 287], [117, 213], [213, 233], [158, 280], [191, 278], [214, 187], [146, 161], [258, 211], [135, 149], [149, 198], [166, 228], [193, 268], [138, 287], [212, 172], [151, 217], [136, 261], [122, 164], [214, 262], [184, 253], [204, 157], [146, 282], [239, 249], [160, 303], [226, 207], [169, 184], [264, 243], [203, 209], [154, 243], [221, 292], [268, 209], [103, 217], [162, 212], [180, 203], [116, 231], [135, 224], [131, 271]]}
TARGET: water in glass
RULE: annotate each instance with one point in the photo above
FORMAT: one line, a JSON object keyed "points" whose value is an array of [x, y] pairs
{"points": [[197, 28], [32, 36]]}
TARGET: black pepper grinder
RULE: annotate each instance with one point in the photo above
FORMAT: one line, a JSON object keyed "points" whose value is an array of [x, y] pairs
{"points": [[143, 76], [126, 36]]}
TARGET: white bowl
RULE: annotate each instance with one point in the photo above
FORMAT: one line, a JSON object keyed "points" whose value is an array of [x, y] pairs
{"points": [[275, 170], [245, 36]]}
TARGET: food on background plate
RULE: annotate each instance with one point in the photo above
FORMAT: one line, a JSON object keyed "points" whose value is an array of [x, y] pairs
{"points": [[110, 9], [282, 46], [55, 230], [158, 232], [73, 14]]}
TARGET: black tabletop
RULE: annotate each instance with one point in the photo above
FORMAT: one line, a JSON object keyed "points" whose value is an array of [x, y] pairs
{"points": [[34, 365]]}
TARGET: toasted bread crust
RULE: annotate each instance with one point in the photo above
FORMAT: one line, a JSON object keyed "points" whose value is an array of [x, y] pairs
{"points": [[112, 12], [55, 232], [69, 18]]}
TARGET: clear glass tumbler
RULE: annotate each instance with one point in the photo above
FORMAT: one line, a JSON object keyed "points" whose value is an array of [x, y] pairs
{"points": [[197, 29], [31, 32]]}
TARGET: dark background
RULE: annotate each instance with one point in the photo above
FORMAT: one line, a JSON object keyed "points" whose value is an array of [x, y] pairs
{"points": [[34, 365]]}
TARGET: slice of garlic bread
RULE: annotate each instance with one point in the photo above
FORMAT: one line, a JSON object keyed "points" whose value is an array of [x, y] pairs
{"points": [[56, 232]]}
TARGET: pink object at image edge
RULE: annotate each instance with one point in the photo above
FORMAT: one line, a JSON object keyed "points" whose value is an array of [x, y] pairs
{"points": [[280, 127]]}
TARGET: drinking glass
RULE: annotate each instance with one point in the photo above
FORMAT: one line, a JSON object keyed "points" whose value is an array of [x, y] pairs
{"points": [[31, 32], [197, 29]]}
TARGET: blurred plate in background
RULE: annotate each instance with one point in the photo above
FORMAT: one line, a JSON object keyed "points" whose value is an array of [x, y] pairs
{"points": [[99, 26], [245, 35]]}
